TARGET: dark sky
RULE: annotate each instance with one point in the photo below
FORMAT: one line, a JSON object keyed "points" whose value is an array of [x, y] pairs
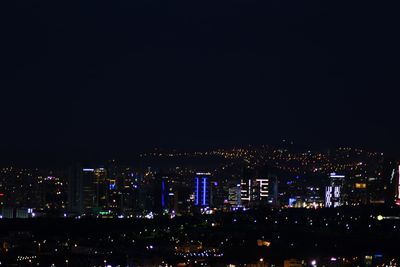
{"points": [[112, 78]]}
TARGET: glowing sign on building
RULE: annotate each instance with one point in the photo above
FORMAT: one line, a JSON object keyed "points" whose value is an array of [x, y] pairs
{"points": [[334, 175]]}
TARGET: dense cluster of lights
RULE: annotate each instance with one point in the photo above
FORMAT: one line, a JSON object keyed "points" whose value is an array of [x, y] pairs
{"points": [[25, 258]]}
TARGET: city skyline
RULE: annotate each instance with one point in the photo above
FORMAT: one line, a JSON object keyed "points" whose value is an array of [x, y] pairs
{"points": [[254, 205], [212, 133]]}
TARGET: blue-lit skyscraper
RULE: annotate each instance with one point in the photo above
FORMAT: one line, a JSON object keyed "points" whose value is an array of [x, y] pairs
{"points": [[164, 193], [202, 192]]}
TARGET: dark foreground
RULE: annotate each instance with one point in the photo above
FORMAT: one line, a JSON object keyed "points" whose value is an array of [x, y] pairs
{"points": [[329, 237]]}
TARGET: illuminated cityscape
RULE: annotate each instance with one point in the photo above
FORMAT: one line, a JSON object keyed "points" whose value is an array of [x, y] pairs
{"points": [[241, 206], [212, 133]]}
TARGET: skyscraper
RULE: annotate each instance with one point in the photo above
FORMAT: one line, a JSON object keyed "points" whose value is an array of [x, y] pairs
{"points": [[101, 187], [235, 196], [165, 194], [87, 191], [333, 192], [258, 187], [202, 192], [396, 182]]}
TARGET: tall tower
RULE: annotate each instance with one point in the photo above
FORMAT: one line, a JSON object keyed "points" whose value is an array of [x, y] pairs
{"points": [[334, 191], [258, 187], [87, 190], [246, 185], [235, 196], [80, 190], [396, 182], [101, 187], [202, 187]]}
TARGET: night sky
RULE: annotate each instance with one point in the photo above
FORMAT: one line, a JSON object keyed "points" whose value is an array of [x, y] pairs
{"points": [[113, 78]]}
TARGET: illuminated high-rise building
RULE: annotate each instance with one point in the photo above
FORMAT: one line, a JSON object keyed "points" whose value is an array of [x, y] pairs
{"points": [[246, 185], [234, 197], [246, 191], [396, 182], [334, 191], [88, 189], [202, 188], [258, 187], [81, 191], [101, 187], [166, 194]]}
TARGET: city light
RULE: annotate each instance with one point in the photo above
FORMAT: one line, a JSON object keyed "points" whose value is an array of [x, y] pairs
{"points": [[237, 209]]}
